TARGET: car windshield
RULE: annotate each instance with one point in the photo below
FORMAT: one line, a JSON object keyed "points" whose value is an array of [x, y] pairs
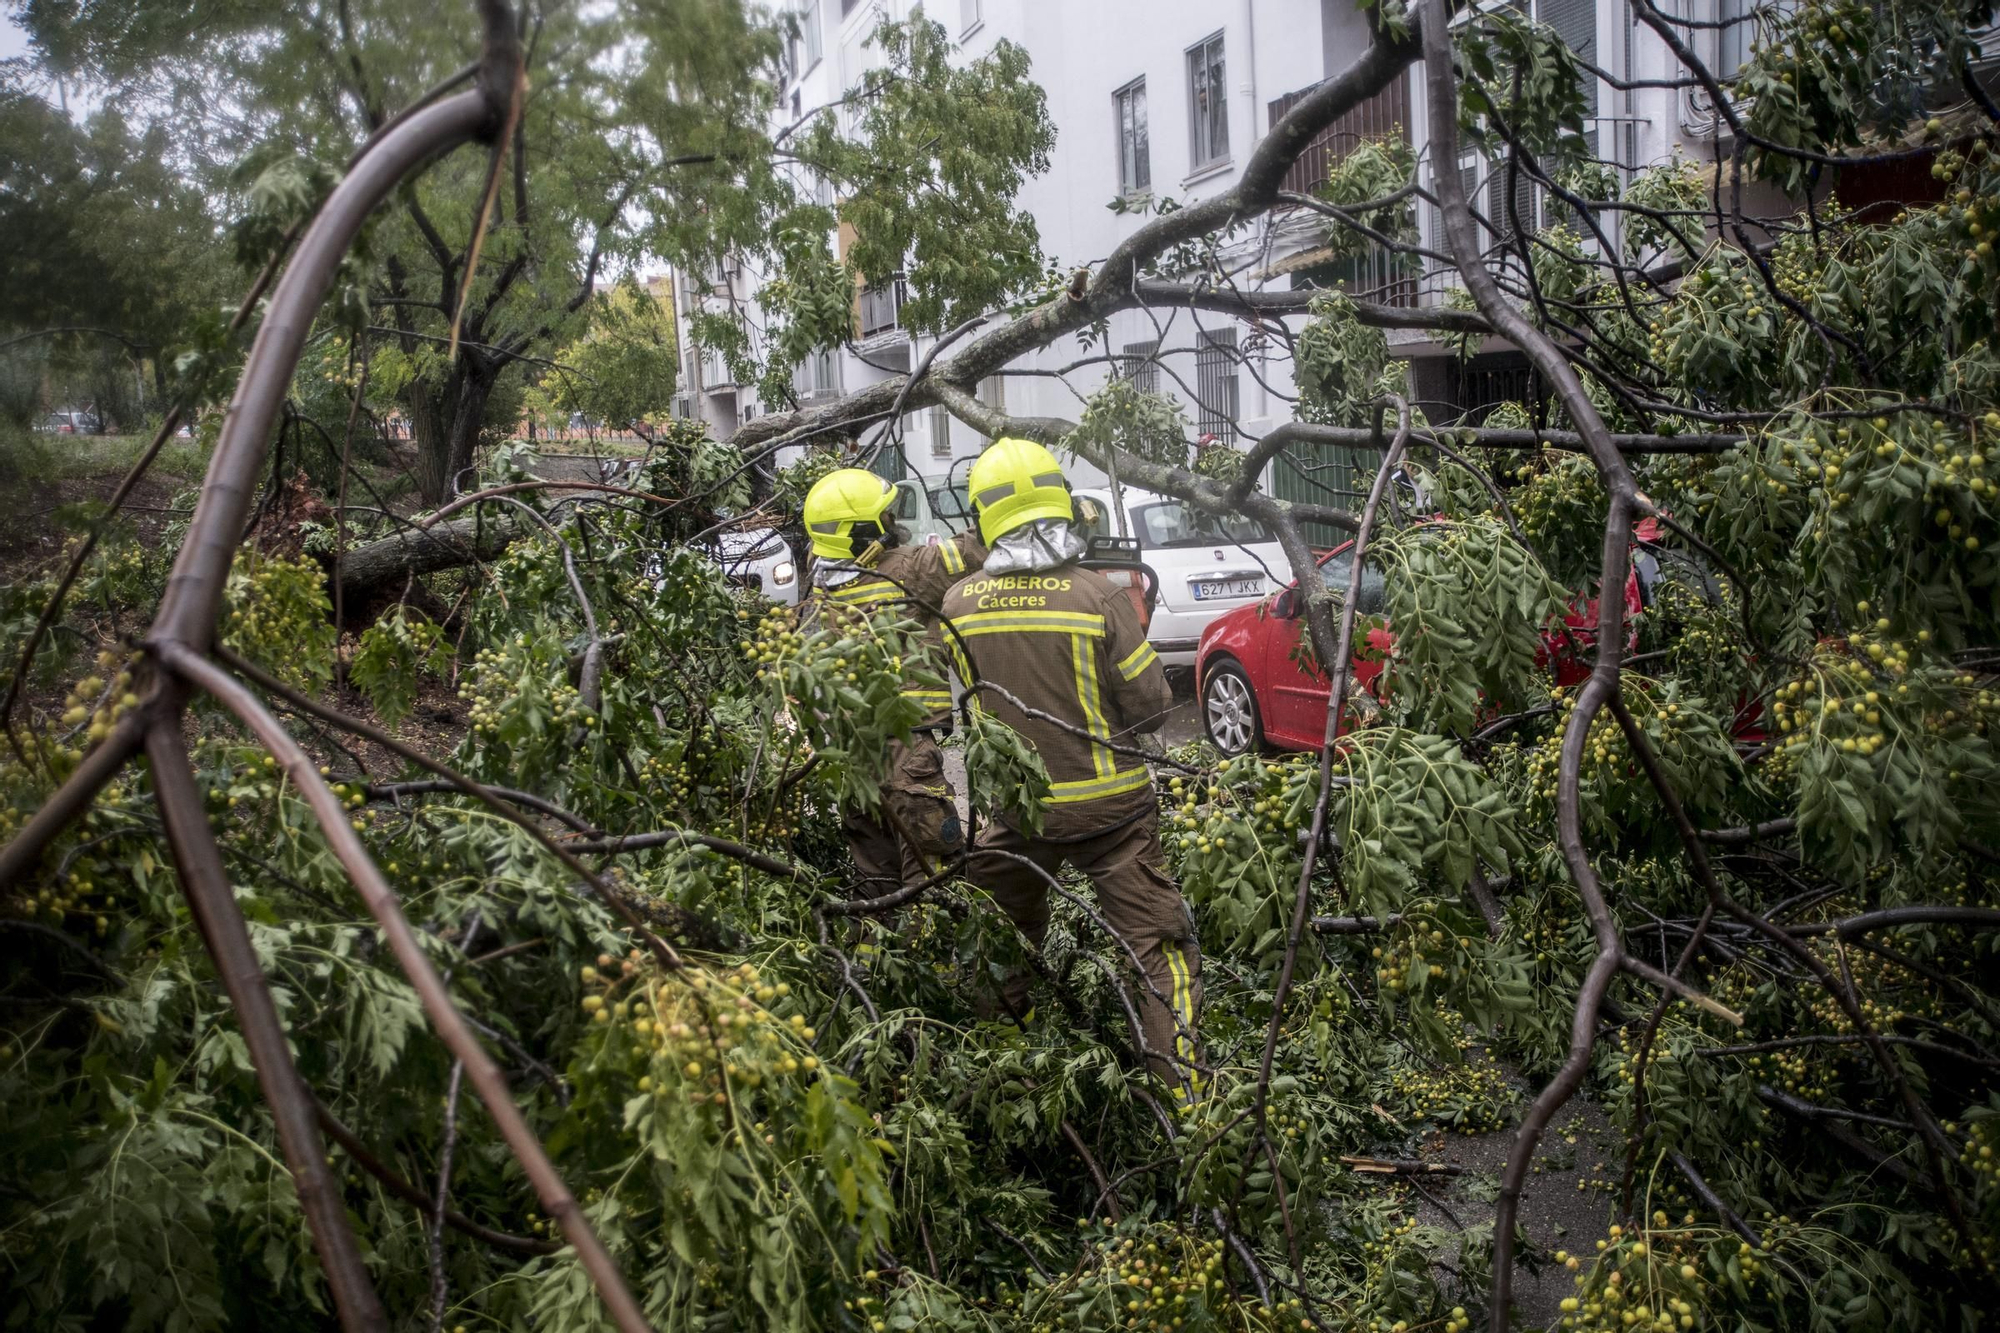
{"points": [[949, 503], [1168, 524], [1336, 570]]}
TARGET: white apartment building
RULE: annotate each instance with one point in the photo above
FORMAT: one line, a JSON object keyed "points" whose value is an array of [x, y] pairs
{"points": [[1154, 99]]}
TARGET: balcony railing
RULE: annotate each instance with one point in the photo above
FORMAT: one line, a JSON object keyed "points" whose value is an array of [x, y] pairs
{"points": [[1386, 113], [882, 307]]}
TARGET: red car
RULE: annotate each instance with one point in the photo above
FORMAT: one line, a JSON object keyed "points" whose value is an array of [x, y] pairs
{"points": [[1253, 692]]}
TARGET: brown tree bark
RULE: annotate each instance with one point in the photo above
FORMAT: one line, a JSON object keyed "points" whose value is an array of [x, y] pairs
{"points": [[445, 418], [375, 573]]}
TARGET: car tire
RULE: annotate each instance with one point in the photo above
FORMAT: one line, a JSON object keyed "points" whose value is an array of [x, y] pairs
{"points": [[1229, 710]]}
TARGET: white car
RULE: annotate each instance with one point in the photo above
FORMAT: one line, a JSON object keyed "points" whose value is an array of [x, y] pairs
{"points": [[915, 510], [759, 559], [1206, 564]]}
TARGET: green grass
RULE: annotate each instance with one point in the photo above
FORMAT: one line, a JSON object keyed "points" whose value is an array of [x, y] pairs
{"points": [[35, 456]]}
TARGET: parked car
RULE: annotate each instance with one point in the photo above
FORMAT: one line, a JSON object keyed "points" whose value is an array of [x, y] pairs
{"points": [[1208, 565], [759, 559], [71, 422], [917, 512], [1254, 693]]}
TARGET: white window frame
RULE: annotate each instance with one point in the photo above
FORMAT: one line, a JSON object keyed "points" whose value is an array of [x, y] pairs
{"points": [[940, 432], [971, 16], [812, 38], [1203, 153]]}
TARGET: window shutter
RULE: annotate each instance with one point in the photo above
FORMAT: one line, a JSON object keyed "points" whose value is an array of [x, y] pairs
{"points": [[1575, 21], [1522, 216]]}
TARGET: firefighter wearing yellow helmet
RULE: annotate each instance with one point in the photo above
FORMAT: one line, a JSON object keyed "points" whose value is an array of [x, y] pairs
{"points": [[1066, 643], [863, 563]]}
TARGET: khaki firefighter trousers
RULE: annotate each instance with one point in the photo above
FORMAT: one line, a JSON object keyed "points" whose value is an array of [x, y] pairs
{"points": [[920, 797], [1136, 898]]}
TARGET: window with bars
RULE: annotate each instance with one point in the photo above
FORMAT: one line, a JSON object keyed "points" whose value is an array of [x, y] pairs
{"points": [[940, 432], [1208, 105], [1140, 365], [1215, 384], [1510, 203], [1135, 167]]}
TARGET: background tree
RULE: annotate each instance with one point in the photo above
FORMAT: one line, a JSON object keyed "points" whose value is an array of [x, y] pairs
{"points": [[112, 256], [624, 367], [644, 132]]}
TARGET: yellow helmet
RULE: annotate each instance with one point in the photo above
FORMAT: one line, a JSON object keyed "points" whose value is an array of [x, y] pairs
{"points": [[843, 506], [1016, 482]]}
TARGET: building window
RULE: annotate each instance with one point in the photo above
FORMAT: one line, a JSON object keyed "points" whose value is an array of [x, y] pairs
{"points": [[818, 376], [940, 431], [809, 37], [1513, 216], [993, 393], [971, 13], [1575, 21], [1208, 105], [1141, 366], [1742, 19], [1135, 168], [848, 7], [1215, 384]]}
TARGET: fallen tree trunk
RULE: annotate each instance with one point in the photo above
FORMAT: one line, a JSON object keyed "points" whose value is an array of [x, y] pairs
{"points": [[374, 574]]}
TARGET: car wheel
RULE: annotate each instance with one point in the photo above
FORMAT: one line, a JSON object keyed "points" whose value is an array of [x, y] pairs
{"points": [[1229, 710]]}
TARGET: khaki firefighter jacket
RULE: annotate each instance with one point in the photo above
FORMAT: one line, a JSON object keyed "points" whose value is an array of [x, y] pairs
{"points": [[1066, 642], [914, 579]]}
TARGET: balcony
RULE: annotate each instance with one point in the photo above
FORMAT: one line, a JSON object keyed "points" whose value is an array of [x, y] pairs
{"points": [[716, 376], [882, 307]]}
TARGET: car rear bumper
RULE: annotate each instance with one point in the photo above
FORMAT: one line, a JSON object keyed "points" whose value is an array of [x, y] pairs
{"points": [[1176, 634]]}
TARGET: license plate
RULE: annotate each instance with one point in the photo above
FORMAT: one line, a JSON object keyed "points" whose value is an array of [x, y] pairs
{"points": [[1208, 592]]}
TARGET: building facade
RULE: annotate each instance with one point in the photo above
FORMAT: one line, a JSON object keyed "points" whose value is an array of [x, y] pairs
{"points": [[1164, 99]]}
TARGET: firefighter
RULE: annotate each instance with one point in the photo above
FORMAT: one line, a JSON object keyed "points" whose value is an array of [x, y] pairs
{"points": [[1063, 641], [861, 563]]}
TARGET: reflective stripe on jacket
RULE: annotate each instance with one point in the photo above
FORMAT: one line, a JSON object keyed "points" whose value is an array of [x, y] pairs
{"points": [[914, 580], [1067, 643]]}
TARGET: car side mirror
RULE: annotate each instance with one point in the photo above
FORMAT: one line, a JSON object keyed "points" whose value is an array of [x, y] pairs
{"points": [[1286, 605]]}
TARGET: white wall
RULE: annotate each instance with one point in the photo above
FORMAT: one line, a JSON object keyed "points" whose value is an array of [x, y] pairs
{"points": [[1082, 51]]}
